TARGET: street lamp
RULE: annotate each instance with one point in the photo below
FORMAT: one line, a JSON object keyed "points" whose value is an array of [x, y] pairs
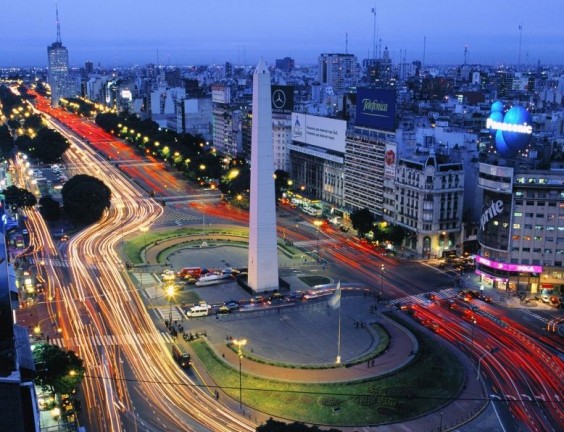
{"points": [[318, 224], [144, 231], [240, 343], [239, 198], [490, 352], [170, 293], [382, 280]]}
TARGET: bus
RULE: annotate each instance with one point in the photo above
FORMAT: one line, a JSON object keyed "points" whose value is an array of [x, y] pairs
{"points": [[180, 356], [312, 211]]}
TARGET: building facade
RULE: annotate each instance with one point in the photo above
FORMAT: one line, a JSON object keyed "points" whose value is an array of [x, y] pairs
{"points": [[428, 202], [521, 231], [338, 71]]}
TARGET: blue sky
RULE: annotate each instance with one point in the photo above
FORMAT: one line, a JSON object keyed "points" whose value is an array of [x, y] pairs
{"points": [[125, 32]]}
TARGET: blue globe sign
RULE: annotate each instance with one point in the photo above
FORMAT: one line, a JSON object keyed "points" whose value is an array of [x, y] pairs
{"points": [[513, 129]]}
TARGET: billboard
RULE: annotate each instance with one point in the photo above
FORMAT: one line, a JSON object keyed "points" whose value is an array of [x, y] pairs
{"points": [[495, 220], [282, 99], [323, 132], [376, 108], [390, 161], [221, 94]]}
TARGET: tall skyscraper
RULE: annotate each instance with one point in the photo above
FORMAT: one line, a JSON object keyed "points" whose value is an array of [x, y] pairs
{"points": [[58, 75], [338, 71], [263, 250]]}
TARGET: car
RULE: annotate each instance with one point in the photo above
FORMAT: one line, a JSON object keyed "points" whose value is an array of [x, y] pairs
{"points": [[65, 238], [231, 304], [295, 296], [222, 310], [258, 299], [431, 296], [485, 298], [275, 298], [344, 228]]}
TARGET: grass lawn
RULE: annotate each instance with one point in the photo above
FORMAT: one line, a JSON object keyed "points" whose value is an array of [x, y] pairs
{"points": [[431, 380]]}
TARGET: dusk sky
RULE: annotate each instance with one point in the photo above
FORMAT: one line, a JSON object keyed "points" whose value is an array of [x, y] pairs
{"points": [[125, 32]]}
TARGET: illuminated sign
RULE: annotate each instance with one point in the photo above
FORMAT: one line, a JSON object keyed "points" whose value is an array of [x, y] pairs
{"points": [[390, 161], [323, 132], [521, 268], [282, 99], [496, 208], [376, 108], [512, 128]]}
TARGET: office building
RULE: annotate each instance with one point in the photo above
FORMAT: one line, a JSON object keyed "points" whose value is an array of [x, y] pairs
{"points": [[58, 73], [338, 71]]}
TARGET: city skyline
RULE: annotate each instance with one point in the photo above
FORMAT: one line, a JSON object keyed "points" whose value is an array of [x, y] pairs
{"points": [[178, 33]]}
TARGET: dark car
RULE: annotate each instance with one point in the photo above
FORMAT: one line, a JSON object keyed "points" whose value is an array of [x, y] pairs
{"points": [[232, 305], [344, 228], [295, 296], [275, 298], [258, 299]]}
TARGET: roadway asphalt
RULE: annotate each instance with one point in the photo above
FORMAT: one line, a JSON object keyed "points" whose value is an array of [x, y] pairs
{"points": [[308, 335]]}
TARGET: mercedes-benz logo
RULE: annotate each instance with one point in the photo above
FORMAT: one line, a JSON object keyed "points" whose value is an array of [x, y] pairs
{"points": [[279, 99]]}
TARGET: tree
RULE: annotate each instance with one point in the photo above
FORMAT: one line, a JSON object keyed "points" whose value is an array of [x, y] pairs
{"points": [[362, 221], [280, 182], [19, 197], [85, 198], [6, 142], [278, 426], [57, 370], [49, 208]]}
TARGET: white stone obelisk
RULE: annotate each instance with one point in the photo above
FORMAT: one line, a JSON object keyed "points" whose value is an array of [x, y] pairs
{"points": [[263, 250]]}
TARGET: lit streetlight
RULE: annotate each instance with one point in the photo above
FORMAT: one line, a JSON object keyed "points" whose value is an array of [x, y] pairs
{"points": [[382, 280], [240, 343], [318, 224], [170, 294]]}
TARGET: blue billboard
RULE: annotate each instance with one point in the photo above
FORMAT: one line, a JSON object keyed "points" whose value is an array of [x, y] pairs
{"points": [[376, 108]]}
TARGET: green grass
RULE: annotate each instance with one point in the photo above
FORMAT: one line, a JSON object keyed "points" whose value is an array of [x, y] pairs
{"points": [[434, 377]]}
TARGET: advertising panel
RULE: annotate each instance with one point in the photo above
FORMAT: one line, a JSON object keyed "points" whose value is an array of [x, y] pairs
{"points": [[221, 94], [390, 160], [521, 268], [376, 108], [282, 99], [495, 220], [322, 132]]}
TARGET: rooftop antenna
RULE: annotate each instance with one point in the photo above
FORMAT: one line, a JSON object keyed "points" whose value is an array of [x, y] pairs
{"points": [[520, 38], [346, 43], [58, 23], [424, 47], [374, 34], [465, 54]]}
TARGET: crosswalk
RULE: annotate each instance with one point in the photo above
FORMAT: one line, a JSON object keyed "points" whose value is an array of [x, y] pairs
{"points": [[166, 312], [317, 242], [423, 300], [114, 340]]}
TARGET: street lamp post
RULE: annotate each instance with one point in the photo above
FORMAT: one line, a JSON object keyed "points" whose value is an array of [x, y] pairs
{"points": [[382, 280], [170, 294], [318, 224], [490, 352], [240, 343]]}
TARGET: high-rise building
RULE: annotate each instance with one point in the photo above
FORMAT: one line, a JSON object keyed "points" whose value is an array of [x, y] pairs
{"points": [[58, 74], [338, 71], [286, 64]]}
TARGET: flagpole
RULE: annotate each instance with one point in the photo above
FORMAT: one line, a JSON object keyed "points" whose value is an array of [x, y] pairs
{"points": [[339, 339]]}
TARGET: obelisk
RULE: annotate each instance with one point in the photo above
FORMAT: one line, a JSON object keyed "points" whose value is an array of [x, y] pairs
{"points": [[263, 251]]}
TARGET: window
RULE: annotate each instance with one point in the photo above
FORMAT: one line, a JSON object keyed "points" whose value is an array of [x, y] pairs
{"points": [[528, 226], [527, 238], [526, 249], [517, 214], [518, 202], [516, 226], [530, 203], [516, 237], [530, 215], [539, 227], [540, 215]]}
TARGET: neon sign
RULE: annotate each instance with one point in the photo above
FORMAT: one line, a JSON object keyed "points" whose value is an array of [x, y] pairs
{"points": [[521, 268]]}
